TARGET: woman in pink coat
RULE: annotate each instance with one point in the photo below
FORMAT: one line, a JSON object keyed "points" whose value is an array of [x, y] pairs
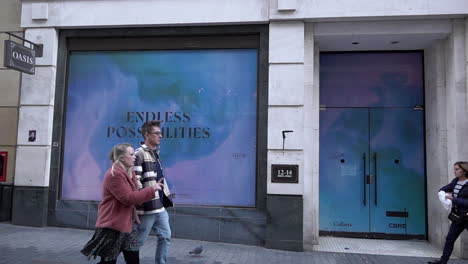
{"points": [[117, 217]]}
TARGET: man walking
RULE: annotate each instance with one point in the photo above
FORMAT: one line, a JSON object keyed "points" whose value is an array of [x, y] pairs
{"points": [[148, 169]]}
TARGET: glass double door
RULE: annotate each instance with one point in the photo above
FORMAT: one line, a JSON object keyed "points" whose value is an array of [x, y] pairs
{"points": [[372, 171]]}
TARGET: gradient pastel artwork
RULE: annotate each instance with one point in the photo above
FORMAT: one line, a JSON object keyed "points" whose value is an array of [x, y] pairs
{"points": [[372, 177], [206, 100]]}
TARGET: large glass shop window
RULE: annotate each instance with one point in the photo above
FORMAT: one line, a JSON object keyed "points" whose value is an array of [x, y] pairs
{"points": [[206, 100]]}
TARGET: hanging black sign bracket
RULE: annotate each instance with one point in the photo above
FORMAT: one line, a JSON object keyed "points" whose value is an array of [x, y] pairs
{"points": [[38, 48]]}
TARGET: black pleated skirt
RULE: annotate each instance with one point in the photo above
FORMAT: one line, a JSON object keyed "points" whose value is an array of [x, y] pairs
{"points": [[108, 243]]}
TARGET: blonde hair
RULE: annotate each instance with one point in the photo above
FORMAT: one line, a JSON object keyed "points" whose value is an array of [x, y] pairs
{"points": [[117, 152]]}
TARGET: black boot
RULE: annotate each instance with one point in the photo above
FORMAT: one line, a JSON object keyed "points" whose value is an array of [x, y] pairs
{"points": [[131, 257], [436, 262]]}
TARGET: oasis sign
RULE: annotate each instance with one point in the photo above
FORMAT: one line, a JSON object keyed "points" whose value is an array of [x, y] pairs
{"points": [[19, 57]]}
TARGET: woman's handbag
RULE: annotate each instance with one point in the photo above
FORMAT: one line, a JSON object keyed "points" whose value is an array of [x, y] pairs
{"points": [[456, 218], [167, 201]]}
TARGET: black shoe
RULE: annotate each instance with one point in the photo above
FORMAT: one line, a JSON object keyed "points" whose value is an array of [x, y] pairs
{"points": [[435, 262]]}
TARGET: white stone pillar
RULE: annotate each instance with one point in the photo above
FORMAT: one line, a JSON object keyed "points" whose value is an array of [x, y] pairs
{"points": [[286, 112], [464, 239], [311, 141], [446, 125], [286, 100], [457, 109], [35, 113], [457, 121], [436, 139], [466, 56]]}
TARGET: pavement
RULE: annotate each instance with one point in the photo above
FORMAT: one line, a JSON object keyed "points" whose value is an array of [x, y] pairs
{"points": [[52, 245]]}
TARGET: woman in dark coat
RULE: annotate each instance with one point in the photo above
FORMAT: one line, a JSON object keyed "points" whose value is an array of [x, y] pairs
{"points": [[457, 191]]}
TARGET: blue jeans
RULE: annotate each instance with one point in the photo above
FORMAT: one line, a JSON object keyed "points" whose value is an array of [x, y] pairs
{"points": [[159, 223]]}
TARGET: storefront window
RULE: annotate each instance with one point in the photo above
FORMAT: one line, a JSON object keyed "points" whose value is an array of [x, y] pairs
{"points": [[206, 100]]}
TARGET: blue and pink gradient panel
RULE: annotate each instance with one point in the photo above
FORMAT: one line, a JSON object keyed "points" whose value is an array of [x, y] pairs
{"points": [[206, 100], [372, 173]]}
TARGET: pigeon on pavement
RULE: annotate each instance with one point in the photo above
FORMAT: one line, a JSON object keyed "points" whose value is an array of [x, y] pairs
{"points": [[197, 251]]}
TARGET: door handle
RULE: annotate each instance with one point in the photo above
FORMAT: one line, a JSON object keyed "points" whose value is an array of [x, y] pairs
{"points": [[364, 178], [375, 178]]}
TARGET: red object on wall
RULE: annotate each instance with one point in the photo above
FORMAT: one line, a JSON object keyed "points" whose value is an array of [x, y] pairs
{"points": [[3, 165]]}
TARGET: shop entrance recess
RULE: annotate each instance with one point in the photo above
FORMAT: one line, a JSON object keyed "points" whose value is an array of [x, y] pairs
{"points": [[372, 171]]}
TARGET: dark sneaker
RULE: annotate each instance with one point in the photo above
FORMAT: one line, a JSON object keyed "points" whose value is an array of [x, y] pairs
{"points": [[436, 262]]}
